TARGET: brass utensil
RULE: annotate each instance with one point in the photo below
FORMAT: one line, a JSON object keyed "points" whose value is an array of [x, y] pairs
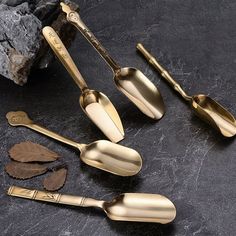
{"points": [[95, 104], [141, 207], [130, 81], [206, 108], [102, 154]]}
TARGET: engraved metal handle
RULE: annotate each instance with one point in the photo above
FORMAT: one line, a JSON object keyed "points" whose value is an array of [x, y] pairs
{"points": [[21, 118], [74, 18], [63, 55], [164, 73], [53, 197]]}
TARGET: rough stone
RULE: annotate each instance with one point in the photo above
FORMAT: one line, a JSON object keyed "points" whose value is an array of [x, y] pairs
{"points": [[22, 46]]}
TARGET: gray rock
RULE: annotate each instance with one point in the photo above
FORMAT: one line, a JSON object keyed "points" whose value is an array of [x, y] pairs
{"points": [[22, 46]]}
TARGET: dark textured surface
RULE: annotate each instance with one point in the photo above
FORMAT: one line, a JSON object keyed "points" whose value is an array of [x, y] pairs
{"points": [[184, 159]]}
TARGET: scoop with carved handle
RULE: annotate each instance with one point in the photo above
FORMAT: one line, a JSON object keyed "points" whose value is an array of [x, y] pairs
{"points": [[96, 105], [142, 207], [206, 108], [101, 154], [130, 81]]}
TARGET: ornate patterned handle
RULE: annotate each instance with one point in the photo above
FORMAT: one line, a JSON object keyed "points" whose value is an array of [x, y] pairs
{"points": [[53, 197], [46, 196], [21, 118], [64, 56], [18, 118], [74, 18]]}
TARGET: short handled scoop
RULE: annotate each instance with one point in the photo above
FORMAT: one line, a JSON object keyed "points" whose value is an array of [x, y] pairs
{"points": [[132, 82], [142, 207], [95, 104], [102, 154], [205, 107]]}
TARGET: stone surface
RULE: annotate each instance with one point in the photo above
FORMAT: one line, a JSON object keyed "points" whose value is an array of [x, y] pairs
{"points": [[21, 43], [184, 159]]}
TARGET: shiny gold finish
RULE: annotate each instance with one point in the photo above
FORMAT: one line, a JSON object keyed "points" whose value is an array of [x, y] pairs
{"points": [[142, 207], [96, 105], [130, 81], [207, 109], [102, 154]]}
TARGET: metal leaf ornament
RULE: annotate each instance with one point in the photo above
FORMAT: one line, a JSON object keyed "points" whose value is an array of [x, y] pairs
{"points": [[22, 171], [56, 180], [32, 152]]}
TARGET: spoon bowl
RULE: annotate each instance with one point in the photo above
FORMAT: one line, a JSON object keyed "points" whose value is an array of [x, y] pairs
{"points": [[141, 91], [111, 157], [213, 113], [101, 111], [141, 207]]}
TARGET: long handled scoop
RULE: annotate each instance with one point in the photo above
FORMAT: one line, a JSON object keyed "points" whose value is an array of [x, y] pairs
{"points": [[206, 108], [130, 81], [102, 154], [95, 104], [141, 207]]}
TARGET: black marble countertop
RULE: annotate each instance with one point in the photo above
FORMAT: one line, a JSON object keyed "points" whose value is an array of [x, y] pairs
{"points": [[184, 159]]}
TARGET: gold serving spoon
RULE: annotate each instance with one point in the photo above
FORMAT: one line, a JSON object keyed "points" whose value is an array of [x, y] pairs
{"points": [[142, 207], [95, 104], [130, 81], [206, 108], [102, 154]]}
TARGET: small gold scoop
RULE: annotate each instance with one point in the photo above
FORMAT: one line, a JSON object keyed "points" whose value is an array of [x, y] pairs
{"points": [[102, 154], [130, 81], [206, 108], [142, 207], [95, 104]]}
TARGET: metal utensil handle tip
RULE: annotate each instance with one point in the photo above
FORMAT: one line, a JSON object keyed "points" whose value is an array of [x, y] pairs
{"points": [[74, 18], [150, 58], [63, 55]]}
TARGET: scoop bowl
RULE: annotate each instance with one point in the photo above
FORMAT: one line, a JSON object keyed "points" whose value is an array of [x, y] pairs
{"points": [[141, 207], [141, 91], [214, 114], [101, 111], [111, 157]]}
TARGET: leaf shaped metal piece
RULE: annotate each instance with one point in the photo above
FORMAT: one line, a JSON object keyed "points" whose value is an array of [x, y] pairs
{"points": [[30, 152], [56, 180], [22, 171]]}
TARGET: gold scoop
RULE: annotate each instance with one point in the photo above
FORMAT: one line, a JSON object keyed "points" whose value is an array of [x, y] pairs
{"points": [[206, 108], [142, 207], [102, 154], [130, 81], [95, 104]]}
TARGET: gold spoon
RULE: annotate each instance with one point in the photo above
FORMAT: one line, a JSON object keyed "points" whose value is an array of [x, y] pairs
{"points": [[102, 154], [130, 81], [95, 104], [142, 207], [206, 108]]}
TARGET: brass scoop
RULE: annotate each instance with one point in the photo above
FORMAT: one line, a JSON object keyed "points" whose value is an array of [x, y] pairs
{"points": [[102, 154], [95, 104], [142, 207], [130, 81], [206, 108]]}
